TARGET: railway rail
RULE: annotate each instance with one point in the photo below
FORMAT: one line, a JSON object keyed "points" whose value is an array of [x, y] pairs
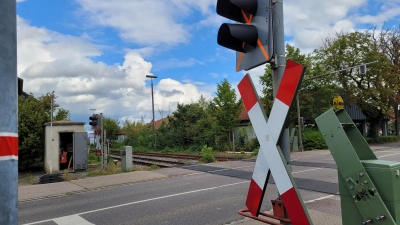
{"points": [[163, 159], [176, 156], [149, 161]]}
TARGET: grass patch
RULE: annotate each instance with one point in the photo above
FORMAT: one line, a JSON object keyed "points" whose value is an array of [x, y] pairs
{"points": [[111, 169], [154, 166], [93, 159]]}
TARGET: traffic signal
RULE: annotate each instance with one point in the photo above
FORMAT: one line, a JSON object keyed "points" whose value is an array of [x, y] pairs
{"points": [[93, 121], [249, 37], [363, 69]]}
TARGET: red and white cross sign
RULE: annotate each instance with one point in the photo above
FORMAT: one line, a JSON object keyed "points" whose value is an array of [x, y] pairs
{"points": [[268, 133]]}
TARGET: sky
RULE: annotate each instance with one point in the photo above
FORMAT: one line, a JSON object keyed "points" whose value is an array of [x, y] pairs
{"points": [[95, 54]]}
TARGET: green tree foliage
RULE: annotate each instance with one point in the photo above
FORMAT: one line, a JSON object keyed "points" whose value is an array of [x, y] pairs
{"points": [[111, 126], [315, 94], [33, 113], [138, 134], [371, 91], [389, 43], [226, 108]]}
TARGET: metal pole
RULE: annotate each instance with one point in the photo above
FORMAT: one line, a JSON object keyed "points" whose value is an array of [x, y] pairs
{"points": [[105, 150], [9, 114], [277, 72], [154, 122], [279, 67], [102, 143], [51, 133], [299, 125]]}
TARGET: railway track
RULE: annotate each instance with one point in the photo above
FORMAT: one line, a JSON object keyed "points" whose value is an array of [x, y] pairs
{"points": [[177, 156], [163, 159], [149, 161]]}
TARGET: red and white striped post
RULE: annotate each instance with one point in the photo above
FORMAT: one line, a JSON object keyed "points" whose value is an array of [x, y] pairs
{"points": [[268, 133], [8, 114]]}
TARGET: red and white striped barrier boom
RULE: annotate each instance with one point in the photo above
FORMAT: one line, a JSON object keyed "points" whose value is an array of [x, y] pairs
{"points": [[268, 133]]}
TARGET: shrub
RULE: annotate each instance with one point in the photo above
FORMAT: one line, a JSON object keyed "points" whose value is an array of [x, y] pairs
{"points": [[140, 149], [206, 155], [382, 139], [92, 158], [255, 152], [194, 148], [313, 140]]}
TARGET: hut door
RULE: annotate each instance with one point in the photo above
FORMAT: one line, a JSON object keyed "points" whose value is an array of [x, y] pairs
{"points": [[80, 150]]}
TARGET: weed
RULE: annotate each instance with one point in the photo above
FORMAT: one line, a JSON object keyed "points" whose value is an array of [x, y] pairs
{"points": [[206, 155], [154, 166]]}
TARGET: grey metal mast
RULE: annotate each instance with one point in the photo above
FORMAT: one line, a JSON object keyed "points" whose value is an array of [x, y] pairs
{"points": [[9, 114]]}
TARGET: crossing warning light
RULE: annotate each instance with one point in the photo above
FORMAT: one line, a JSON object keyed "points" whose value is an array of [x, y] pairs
{"points": [[249, 37], [93, 120]]}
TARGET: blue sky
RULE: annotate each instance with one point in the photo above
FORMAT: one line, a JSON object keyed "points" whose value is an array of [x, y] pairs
{"points": [[96, 53]]}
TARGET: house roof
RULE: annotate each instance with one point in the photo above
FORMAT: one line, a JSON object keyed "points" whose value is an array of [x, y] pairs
{"points": [[244, 115], [159, 122]]}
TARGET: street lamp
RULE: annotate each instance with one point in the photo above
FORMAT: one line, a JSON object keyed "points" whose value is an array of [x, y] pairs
{"points": [[152, 104]]}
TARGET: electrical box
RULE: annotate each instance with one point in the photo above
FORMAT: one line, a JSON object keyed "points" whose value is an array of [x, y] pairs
{"points": [[126, 158], [386, 177]]}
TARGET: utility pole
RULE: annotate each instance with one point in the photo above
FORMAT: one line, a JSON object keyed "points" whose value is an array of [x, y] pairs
{"points": [[51, 132], [102, 143], [152, 104], [9, 114]]}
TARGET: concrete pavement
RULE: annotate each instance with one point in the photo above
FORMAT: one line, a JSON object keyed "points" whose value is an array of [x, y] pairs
{"points": [[40, 191]]}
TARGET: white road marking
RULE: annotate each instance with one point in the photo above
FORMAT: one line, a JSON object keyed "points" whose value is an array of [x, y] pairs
{"points": [[73, 219], [318, 199], [74, 216], [141, 201], [212, 171], [308, 170], [388, 155]]}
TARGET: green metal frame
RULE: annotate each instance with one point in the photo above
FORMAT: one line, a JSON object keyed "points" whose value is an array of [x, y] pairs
{"points": [[358, 171]]}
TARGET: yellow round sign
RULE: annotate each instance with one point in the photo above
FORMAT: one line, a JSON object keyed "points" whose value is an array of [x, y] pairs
{"points": [[338, 102]]}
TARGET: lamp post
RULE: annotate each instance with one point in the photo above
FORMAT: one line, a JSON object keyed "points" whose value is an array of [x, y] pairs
{"points": [[152, 105]]}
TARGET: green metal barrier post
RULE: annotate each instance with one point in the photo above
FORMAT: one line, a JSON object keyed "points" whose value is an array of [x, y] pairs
{"points": [[369, 188]]}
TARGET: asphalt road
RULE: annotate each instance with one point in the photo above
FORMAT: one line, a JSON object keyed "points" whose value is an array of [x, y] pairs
{"points": [[204, 194]]}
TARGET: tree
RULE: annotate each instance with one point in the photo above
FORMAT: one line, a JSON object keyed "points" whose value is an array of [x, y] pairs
{"points": [[138, 134], [226, 108], [371, 91], [111, 126], [32, 114], [389, 43], [315, 95]]}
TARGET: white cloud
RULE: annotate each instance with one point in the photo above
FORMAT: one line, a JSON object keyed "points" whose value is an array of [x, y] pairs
{"points": [[308, 22], [50, 61], [146, 22]]}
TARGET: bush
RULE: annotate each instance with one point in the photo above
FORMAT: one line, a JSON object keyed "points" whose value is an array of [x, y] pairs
{"points": [[116, 145], [313, 140], [92, 158], [194, 148], [382, 139], [140, 149], [255, 152], [206, 155], [167, 150]]}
